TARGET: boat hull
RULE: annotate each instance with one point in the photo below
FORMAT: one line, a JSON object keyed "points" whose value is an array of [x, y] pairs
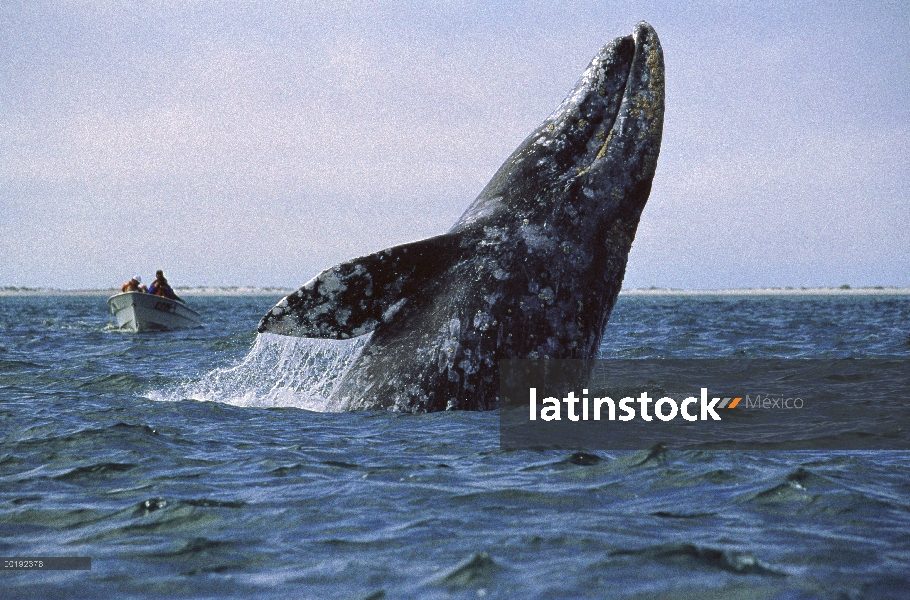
{"points": [[138, 312]]}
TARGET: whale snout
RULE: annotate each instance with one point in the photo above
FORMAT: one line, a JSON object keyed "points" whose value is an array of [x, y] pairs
{"points": [[637, 126], [596, 150]]}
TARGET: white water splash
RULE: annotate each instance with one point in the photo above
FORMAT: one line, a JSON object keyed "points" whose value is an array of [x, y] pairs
{"points": [[278, 371]]}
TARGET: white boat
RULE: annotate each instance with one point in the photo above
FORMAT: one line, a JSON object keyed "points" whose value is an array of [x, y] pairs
{"points": [[138, 312]]}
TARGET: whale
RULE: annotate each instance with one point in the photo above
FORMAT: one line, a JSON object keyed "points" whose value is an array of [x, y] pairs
{"points": [[531, 270]]}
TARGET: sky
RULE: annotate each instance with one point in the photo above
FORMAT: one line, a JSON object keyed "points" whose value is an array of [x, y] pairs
{"points": [[258, 143]]}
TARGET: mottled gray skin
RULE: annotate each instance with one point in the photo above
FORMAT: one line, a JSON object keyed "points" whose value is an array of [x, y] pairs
{"points": [[531, 270]]}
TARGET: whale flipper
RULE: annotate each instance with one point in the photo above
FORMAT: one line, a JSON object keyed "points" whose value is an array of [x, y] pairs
{"points": [[352, 298]]}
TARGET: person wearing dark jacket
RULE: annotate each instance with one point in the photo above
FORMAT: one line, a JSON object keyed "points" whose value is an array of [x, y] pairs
{"points": [[160, 287]]}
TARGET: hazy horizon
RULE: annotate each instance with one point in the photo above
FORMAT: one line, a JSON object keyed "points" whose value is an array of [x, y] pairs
{"points": [[240, 145], [208, 290]]}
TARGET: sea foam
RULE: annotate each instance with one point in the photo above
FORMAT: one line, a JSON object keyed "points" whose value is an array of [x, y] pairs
{"points": [[277, 371]]}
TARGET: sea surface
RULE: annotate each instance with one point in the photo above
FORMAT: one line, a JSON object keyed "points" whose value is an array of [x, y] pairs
{"points": [[199, 464]]}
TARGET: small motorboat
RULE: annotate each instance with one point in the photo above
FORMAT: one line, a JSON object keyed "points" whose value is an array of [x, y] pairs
{"points": [[138, 312]]}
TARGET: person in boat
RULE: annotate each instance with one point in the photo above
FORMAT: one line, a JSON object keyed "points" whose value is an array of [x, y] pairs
{"points": [[134, 285], [160, 287]]}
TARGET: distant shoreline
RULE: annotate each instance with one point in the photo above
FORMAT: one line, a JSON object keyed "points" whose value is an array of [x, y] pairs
{"points": [[785, 291], [274, 291]]}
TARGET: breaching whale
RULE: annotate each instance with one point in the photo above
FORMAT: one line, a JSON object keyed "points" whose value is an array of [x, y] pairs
{"points": [[531, 270]]}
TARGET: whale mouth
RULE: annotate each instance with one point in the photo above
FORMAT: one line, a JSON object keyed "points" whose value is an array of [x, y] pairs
{"points": [[630, 68], [605, 136], [619, 95]]}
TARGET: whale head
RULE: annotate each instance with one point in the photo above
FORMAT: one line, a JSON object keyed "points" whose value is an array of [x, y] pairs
{"points": [[596, 154]]}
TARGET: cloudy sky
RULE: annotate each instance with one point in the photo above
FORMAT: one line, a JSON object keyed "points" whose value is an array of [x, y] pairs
{"points": [[257, 143]]}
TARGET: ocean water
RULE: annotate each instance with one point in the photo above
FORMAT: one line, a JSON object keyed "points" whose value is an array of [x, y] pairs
{"points": [[199, 464]]}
